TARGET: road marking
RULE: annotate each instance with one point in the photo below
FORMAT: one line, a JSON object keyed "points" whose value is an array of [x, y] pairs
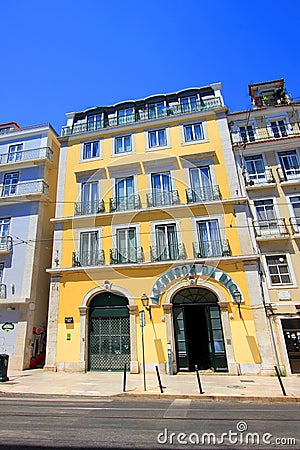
{"points": [[178, 406]]}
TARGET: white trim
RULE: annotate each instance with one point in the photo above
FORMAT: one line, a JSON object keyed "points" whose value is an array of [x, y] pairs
{"points": [[253, 207], [78, 232], [137, 227], [158, 172], [154, 223], [132, 140], [293, 284], [198, 165], [290, 204], [122, 177], [90, 141], [201, 122], [158, 147], [221, 224]]}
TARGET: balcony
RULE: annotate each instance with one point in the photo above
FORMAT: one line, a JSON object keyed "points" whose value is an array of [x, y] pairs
{"points": [[27, 155], [134, 255], [82, 208], [272, 228], [266, 133], [167, 253], [162, 198], [3, 290], [24, 188], [89, 258], [292, 174], [125, 203], [5, 244], [259, 179], [295, 224], [203, 194], [144, 115], [210, 249]]}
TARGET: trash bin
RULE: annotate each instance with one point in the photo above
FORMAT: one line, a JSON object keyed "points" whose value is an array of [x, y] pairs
{"points": [[3, 367]]}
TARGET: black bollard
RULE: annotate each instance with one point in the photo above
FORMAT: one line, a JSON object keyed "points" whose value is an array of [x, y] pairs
{"points": [[159, 380], [124, 378], [199, 381], [279, 379]]}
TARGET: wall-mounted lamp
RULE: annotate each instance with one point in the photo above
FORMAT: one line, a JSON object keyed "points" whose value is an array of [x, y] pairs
{"points": [[107, 285], [145, 302], [238, 300]]}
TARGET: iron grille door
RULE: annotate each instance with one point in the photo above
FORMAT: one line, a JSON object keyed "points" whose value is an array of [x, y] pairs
{"points": [[109, 343]]}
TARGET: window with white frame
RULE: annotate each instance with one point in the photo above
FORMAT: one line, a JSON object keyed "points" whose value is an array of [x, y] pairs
{"points": [[91, 150], [166, 243], [15, 153], [266, 214], [189, 103], [295, 219], [10, 184], [157, 138], [1, 272], [193, 132], [156, 110], [4, 230], [278, 128], [125, 115], [278, 269], [90, 197], [247, 133], [126, 242], [209, 239], [162, 193], [94, 122], [124, 194], [290, 164], [255, 168], [89, 254], [123, 144], [201, 185]]}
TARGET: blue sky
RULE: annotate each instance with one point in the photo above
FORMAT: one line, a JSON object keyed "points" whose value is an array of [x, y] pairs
{"points": [[68, 55]]}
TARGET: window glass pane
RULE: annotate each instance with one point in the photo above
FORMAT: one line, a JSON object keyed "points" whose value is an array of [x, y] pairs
{"points": [[188, 133]]}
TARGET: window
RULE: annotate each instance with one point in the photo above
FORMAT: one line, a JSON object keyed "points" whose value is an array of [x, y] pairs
{"points": [[161, 189], [295, 202], [201, 185], [10, 184], [247, 133], [209, 239], [278, 128], [89, 248], [266, 214], [15, 153], [123, 144], [125, 194], [1, 271], [193, 132], [278, 269], [166, 243], [290, 164], [91, 150], [157, 138], [89, 198], [156, 110], [125, 115], [126, 246], [255, 168], [189, 103], [4, 229], [94, 122]]}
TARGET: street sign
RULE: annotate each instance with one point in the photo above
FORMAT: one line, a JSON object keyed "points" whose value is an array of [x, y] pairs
{"points": [[142, 319]]}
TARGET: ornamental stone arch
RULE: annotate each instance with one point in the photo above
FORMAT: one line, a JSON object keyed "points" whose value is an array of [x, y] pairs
{"points": [[83, 309]]}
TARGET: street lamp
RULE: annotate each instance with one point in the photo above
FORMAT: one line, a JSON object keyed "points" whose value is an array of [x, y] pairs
{"points": [[145, 302], [238, 300]]}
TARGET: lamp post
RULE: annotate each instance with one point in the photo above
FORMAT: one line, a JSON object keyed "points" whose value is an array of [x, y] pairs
{"points": [[238, 300], [145, 302]]}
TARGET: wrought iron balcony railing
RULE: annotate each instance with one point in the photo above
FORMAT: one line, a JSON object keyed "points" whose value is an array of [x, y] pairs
{"points": [[3, 293], [24, 188], [288, 174], [125, 203], [167, 253], [133, 255], [162, 198], [27, 155], [5, 244], [265, 177], [82, 208], [88, 258], [209, 249], [271, 227], [202, 194], [144, 115], [295, 224], [264, 133]]}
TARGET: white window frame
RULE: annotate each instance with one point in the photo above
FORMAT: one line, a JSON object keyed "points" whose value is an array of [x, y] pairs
{"points": [[284, 151], [94, 121], [293, 283], [93, 158], [21, 152], [162, 171], [120, 177], [154, 223], [204, 131], [2, 265], [221, 223], [251, 155], [120, 136], [244, 123], [157, 147], [137, 227], [274, 118], [88, 230], [157, 116], [275, 206]]}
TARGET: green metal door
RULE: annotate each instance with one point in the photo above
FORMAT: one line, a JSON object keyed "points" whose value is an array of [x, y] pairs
{"points": [[180, 339], [216, 339]]}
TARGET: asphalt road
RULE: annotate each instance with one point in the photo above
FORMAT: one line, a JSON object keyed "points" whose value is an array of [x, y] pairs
{"points": [[38, 422]]}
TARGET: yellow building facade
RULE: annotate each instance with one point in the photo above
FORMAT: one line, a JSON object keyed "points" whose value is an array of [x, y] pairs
{"points": [[151, 218]]}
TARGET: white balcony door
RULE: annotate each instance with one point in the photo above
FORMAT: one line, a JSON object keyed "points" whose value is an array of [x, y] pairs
{"points": [[10, 184], [15, 153], [278, 128], [89, 248], [209, 238], [166, 242], [266, 216], [126, 245], [4, 229], [290, 164], [125, 193], [255, 168], [201, 183], [161, 188], [89, 197]]}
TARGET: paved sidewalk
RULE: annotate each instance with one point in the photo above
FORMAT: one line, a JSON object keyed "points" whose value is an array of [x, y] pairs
{"points": [[99, 384]]}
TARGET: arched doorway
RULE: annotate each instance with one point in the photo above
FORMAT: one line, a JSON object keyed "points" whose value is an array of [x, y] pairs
{"points": [[108, 332], [198, 330]]}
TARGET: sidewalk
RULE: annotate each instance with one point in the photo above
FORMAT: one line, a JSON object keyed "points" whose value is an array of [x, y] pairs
{"points": [[99, 384]]}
